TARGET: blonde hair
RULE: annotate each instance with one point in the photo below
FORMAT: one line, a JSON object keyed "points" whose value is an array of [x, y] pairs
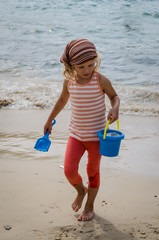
{"points": [[69, 70]]}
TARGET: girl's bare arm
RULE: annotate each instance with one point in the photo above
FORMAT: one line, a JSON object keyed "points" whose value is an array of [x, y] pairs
{"points": [[59, 105], [108, 89]]}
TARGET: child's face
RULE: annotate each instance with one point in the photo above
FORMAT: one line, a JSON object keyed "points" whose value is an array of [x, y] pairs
{"points": [[86, 69]]}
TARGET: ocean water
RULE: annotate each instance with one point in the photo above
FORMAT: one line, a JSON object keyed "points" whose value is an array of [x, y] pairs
{"points": [[33, 35]]}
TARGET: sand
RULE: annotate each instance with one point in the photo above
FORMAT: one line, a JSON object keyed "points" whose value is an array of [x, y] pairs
{"points": [[35, 197]]}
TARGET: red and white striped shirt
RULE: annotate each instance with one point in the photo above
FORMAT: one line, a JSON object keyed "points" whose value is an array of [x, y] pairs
{"points": [[88, 109]]}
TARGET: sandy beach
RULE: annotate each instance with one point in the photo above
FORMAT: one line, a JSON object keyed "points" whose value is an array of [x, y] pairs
{"points": [[35, 197]]}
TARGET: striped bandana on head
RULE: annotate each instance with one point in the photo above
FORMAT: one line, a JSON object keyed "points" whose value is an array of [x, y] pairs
{"points": [[78, 51]]}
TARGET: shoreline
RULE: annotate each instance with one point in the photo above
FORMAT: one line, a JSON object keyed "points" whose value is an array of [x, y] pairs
{"points": [[141, 139], [36, 198]]}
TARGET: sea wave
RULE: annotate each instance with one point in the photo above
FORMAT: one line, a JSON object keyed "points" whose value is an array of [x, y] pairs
{"points": [[139, 100], [134, 99], [34, 34]]}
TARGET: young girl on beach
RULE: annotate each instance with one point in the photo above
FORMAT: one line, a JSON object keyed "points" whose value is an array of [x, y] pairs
{"points": [[86, 88]]}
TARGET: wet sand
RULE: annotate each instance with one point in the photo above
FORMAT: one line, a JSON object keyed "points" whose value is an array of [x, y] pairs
{"points": [[35, 197]]}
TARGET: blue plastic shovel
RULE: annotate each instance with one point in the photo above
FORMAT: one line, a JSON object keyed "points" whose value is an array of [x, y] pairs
{"points": [[43, 143]]}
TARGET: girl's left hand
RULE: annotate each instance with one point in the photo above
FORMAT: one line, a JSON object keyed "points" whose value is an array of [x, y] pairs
{"points": [[113, 115]]}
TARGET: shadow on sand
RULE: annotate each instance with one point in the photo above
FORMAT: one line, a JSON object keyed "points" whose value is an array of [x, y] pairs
{"points": [[97, 229]]}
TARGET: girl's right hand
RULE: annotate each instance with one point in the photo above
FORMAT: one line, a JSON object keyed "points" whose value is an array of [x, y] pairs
{"points": [[48, 126]]}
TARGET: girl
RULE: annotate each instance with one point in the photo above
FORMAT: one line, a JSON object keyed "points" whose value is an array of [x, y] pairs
{"points": [[86, 88]]}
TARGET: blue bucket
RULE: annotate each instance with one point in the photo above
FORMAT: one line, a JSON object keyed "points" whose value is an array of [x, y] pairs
{"points": [[110, 141]]}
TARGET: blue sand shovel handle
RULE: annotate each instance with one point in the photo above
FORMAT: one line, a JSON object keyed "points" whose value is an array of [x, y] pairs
{"points": [[47, 133], [54, 121]]}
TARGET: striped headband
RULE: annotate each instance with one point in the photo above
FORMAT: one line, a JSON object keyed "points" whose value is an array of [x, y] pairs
{"points": [[78, 51]]}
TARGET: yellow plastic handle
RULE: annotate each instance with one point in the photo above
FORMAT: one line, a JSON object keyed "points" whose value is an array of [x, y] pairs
{"points": [[106, 127]]}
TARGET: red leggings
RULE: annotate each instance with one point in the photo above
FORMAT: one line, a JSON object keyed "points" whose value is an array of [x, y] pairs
{"points": [[74, 151]]}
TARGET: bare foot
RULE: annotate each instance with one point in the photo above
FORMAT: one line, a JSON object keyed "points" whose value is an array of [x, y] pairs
{"points": [[87, 215], [76, 205]]}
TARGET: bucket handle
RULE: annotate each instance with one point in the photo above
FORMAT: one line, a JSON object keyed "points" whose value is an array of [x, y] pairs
{"points": [[106, 127]]}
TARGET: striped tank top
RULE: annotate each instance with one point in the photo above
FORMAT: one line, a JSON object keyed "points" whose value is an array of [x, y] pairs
{"points": [[88, 109]]}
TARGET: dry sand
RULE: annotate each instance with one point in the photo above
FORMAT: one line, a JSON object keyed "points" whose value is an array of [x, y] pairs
{"points": [[35, 197]]}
